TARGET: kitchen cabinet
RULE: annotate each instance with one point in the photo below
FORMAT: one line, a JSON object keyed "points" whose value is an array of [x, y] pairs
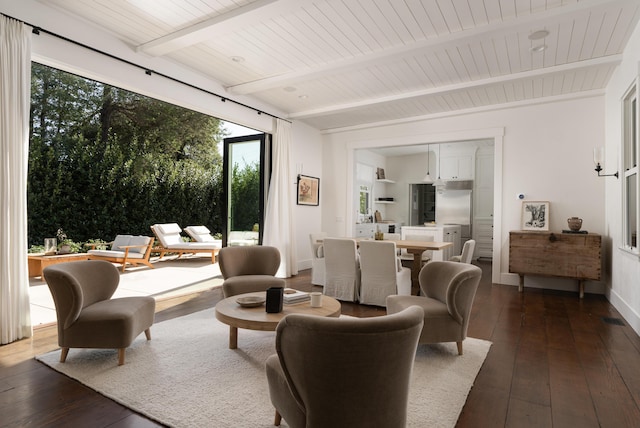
{"points": [[483, 235], [365, 230], [445, 233], [457, 167]]}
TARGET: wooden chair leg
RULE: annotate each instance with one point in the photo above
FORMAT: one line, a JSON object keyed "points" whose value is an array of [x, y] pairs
{"points": [[121, 356], [63, 354], [459, 347], [147, 333], [278, 419]]}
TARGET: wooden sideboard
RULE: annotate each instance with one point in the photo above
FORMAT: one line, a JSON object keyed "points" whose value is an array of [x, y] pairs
{"points": [[567, 255]]}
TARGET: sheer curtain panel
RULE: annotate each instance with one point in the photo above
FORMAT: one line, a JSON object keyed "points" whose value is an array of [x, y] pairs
{"points": [[279, 227], [15, 84]]}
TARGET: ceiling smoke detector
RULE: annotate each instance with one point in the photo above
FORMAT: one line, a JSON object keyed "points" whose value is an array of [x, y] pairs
{"points": [[538, 35]]}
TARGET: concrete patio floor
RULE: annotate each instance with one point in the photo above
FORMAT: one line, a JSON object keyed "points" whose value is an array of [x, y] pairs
{"points": [[170, 277]]}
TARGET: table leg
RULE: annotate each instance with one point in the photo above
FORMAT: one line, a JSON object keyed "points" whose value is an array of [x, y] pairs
{"points": [[415, 270], [521, 284], [233, 337], [581, 287]]}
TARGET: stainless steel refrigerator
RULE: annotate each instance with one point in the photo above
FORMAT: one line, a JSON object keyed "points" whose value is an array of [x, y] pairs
{"points": [[454, 205]]}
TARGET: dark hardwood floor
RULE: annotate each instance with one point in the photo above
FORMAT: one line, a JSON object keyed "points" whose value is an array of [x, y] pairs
{"points": [[555, 361]]}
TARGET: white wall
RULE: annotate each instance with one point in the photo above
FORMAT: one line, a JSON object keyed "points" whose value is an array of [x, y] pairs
{"points": [[624, 291], [546, 153]]}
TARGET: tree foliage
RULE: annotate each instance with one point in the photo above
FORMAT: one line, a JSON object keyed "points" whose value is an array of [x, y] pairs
{"points": [[104, 161]]}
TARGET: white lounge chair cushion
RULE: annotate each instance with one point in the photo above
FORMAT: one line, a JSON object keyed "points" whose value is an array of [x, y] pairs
{"points": [[195, 245], [238, 238], [200, 233], [116, 254], [120, 241], [168, 234], [143, 241]]}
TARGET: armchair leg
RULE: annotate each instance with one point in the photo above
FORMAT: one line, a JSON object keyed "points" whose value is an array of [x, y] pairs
{"points": [[63, 354], [121, 356], [459, 347], [278, 419], [147, 333]]}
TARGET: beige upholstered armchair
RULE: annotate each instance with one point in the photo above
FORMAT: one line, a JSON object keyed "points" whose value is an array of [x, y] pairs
{"points": [[326, 369], [342, 269], [87, 316], [382, 273], [448, 290], [247, 269]]}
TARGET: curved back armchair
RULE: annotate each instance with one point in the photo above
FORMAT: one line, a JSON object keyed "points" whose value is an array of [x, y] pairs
{"points": [[382, 273], [448, 290], [247, 269], [342, 269], [87, 316], [326, 369]]}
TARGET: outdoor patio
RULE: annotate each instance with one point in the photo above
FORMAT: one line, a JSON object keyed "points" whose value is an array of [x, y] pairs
{"points": [[170, 277]]}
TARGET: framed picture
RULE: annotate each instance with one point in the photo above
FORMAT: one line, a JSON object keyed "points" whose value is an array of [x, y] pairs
{"points": [[380, 174], [308, 190], [535, 215]]}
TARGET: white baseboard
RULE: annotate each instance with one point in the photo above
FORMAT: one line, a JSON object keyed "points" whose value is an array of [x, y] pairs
{"points": [[627, 312]]}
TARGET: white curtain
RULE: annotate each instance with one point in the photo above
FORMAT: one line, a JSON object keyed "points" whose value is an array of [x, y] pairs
{"points": [[279, 225], [15, 84]]}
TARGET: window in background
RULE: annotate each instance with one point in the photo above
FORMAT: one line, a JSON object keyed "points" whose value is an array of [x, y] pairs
{"points": [[630, 170]]}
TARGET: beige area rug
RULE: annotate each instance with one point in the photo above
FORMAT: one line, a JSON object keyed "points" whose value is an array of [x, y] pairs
{"points": [[186, 376], [170, 277]]}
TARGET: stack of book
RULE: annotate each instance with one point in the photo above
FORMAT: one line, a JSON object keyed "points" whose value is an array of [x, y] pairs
{"points": [[291, 296]]}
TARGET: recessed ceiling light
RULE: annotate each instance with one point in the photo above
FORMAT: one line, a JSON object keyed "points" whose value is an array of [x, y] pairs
{"points": [[303, 97], [538, 48], [237, 59], [537, 35], [290, 89]]}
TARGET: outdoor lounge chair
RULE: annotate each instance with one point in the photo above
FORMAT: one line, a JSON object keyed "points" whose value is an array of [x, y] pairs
{"points": [[171, 242], [124, 249]]}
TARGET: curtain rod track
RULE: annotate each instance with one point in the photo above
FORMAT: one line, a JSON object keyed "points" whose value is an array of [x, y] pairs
{"points": [[37, 30]]}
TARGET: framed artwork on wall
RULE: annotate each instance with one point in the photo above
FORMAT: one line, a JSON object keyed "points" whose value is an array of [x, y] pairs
{"points": [[535, 215], [308, 190]]}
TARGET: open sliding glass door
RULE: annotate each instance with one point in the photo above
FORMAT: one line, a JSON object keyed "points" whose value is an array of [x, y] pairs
{"points": [[246, 172]]}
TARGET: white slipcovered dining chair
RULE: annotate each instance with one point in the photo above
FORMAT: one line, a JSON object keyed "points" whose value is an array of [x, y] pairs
{"points": [[317, 258], [382, 273], [467, 252], [342, 269]]}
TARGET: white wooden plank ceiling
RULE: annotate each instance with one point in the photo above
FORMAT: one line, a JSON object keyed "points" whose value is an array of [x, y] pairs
{"points": [[345, 63]]}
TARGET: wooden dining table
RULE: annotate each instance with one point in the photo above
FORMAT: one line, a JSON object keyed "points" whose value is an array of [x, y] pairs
{"points": [[416, 248]]}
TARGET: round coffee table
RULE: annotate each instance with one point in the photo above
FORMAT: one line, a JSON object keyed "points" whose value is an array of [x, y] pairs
{"points": [[231, 313]]}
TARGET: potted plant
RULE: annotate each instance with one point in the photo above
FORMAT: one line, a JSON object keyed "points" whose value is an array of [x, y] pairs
{"points": [[65, 244]]}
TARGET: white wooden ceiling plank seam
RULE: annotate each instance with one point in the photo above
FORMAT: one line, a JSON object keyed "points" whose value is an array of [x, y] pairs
{"points": [[450, 15], [592, 33], [453, 101], [538, 5], [494, 11], [492, 95], [578, 81], [453, 55], [547, 86], [416, 7], [254, 39], [607, 30], [551, 52], [502, 55], [623, 29], [437, 19], [565, 32], [514, 52], [388, 14], [436, 76], [509, 92], [447, 102], [419, 72], [518, 90], [466, 99], [370, 24], [469, 62], [590, 77], [330, 28], [527, 85], [577, 37], [464, 14], [523, 7], [567, 82], [409, 20], [349, 26], [447, 66], [480, 60], [490, 57], [603, 77], [385, 81], [507, 9], [318, 47], [478, 10], [474, 97], [557, 84], [273, 37], [405, 76]]}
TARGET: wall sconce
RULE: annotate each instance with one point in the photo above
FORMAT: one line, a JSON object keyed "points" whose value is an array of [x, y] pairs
{"points": [[598, 159]]}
